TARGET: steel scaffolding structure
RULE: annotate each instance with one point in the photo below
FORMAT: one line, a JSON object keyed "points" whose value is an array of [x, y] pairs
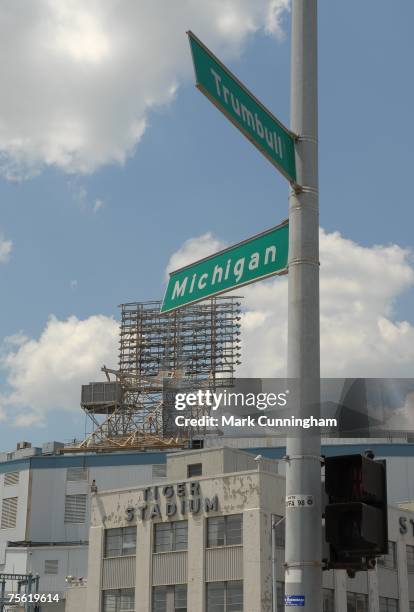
{"points": [[195, 347], [22, 592]]}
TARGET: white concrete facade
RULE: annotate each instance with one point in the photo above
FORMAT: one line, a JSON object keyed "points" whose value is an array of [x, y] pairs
{"points": [[227, 483]]}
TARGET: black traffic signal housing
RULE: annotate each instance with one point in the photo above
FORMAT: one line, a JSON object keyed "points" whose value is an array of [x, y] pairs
{"points": [[356, 524]]}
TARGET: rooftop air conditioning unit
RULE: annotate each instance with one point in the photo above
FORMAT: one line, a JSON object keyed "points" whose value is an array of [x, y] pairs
{"points": [[22, 445]]}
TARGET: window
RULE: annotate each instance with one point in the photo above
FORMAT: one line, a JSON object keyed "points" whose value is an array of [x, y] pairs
{"points": [[280, 530], [328, 600], [357, 602], [11, 478], [170, 536], [225, 596], [195, 444], [75, 508], [180, 598], [8, 513], [75, 474], [388, 605], [224, 530], [120, 600], [120, 542], [51, 566], [159, 599], [389, 560], [410, 558], [159, 470], [194, 469], [169, 598], [411, 606]]}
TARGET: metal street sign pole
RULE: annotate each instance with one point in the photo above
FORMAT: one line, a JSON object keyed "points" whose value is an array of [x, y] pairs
{"points": [[303, 574]]}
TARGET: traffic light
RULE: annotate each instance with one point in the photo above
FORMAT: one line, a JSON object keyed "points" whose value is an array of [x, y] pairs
{"points": [[356, 525]]}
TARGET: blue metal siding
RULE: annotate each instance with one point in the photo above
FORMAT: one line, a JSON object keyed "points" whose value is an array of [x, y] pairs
{"points": [[14, 466], [65, 461], [146, 458], [380, 450]]}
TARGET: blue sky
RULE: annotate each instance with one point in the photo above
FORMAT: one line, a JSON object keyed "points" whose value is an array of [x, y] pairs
{"points": [[84, 242]]}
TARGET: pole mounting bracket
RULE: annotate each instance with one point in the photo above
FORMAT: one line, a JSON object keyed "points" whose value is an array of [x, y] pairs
{"points": [[306, 138], [317, 458], [302, 564]]}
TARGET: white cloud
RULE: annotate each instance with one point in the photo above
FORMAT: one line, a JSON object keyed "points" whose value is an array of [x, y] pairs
{"points": [[82, 198], [359, 333], [79, 194], [73, 284], [97, 205], [82, 77], [15, 339], [403, 418], [192, 250], [276, 11], [28, 419], [46, 374], [5, 249]]}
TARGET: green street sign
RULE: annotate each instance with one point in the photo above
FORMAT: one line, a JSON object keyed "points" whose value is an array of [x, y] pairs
{"points": [[239, 105], [259, 257]]}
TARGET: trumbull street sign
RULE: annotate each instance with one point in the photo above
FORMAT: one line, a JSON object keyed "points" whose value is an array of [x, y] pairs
{"points": [[258, 257], [239, 105]]}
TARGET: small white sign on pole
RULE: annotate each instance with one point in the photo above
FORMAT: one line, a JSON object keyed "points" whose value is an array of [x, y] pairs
{"points": [[300, 500]]}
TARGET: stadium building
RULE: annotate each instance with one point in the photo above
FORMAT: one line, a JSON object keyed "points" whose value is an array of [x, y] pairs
{"points": [[210, 538], [46, 500]]}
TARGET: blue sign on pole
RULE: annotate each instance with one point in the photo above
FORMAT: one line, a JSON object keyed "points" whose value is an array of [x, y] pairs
{"points": [[294, 600]]}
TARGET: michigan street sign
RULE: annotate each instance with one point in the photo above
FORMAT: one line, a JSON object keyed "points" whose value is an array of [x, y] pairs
{"points": [[226, 92], [253, 259]]}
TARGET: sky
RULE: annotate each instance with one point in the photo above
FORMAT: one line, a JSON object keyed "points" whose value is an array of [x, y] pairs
{"points": [[114, 169]]}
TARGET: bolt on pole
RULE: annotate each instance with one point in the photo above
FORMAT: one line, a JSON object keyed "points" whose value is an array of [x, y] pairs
{"points": [[303, 573]]}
